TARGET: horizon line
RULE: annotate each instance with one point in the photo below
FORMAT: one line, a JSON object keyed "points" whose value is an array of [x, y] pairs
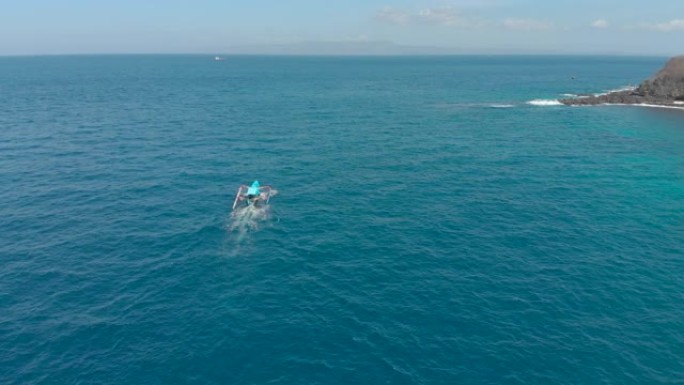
{"points": [[328, 54]]}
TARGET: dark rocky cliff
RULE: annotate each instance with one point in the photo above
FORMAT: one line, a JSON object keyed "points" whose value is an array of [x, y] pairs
{"points": [[664, 88]]}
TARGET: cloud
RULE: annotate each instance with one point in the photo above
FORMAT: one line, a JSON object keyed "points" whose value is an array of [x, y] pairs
{"points": [[441, 16], [526, 24], [448, 16], [600, 23], [392, 16], [672, 25]]}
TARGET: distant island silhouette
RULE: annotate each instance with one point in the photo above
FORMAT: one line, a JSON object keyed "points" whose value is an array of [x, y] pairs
{"points": [[665, 88]]}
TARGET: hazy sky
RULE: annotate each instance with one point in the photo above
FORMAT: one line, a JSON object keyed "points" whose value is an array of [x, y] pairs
{"points": [[217, 26]]}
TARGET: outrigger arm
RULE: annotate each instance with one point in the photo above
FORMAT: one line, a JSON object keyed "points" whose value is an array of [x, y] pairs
{"points": [[242, 190], [237, 196]]}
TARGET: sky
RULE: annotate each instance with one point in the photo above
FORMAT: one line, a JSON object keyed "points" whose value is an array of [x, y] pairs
{"points": [[631, 27]]}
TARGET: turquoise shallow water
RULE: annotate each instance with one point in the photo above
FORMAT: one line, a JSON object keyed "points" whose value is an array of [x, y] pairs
{"points": [[431, 226]]}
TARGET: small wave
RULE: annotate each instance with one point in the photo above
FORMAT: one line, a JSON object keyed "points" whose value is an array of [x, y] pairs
{"points": [[478, 105], [545, 102]]}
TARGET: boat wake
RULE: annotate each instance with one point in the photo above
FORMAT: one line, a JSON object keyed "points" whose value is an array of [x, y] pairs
{"points": [[249, 218]]}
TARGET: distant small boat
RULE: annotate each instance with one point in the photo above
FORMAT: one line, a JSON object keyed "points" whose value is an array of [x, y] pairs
{"points": [[218, 58]]}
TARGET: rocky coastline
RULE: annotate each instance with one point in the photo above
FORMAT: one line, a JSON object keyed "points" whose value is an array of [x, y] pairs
{"points": [[666, 88]]}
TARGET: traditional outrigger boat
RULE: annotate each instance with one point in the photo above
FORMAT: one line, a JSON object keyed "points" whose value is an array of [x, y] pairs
{"points": [[254, 195]]}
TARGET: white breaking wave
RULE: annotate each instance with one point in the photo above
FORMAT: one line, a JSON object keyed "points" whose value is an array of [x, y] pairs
{"points": [[645, 105], [545, 102], [621, 89]]}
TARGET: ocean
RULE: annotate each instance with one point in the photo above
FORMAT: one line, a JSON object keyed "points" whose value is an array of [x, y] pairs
{"points": [[438, 220]]}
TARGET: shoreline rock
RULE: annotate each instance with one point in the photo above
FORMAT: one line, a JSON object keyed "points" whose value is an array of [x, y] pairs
{"points": [[665, 88]]}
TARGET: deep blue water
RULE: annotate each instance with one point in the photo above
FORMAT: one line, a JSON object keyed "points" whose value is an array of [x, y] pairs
{"points": [[431, 226]]}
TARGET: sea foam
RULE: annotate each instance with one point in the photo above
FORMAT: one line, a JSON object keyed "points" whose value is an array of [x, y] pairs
{"points": [[248, 218], [544, 102]]}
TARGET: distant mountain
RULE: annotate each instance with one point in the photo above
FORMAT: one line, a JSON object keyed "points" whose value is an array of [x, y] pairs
{"points": [[340, 48]]}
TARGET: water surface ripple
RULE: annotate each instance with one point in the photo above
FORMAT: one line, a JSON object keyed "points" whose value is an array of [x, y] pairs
{"points": [[431, 226]]}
